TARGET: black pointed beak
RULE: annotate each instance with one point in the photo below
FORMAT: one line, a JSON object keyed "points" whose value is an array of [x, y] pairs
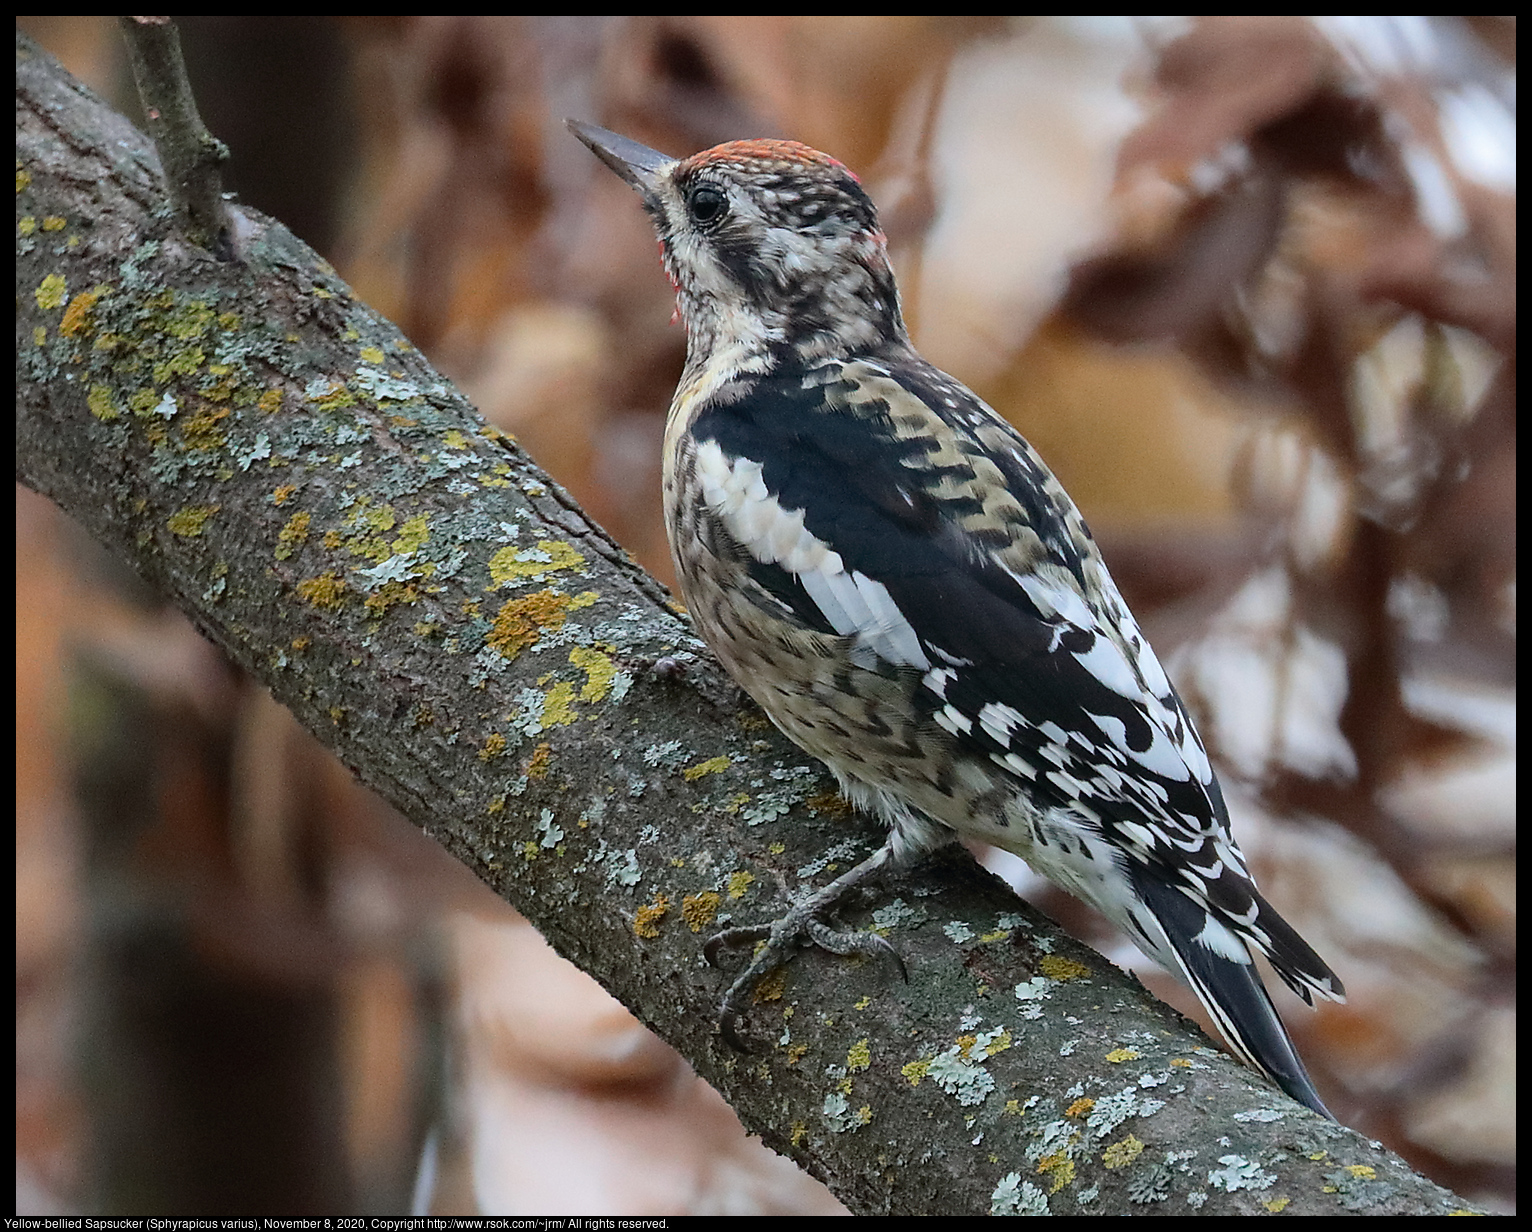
{"points": [[637, 164]]}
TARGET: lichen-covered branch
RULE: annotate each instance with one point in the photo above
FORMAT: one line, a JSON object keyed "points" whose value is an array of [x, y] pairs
{"points": [[278, 461]]}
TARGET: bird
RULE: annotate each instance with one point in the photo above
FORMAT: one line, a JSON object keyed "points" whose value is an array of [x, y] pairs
{"points": [[891, 571]]}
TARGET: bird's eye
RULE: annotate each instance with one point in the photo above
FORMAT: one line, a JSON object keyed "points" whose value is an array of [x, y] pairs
{"points": [[707, 205]]}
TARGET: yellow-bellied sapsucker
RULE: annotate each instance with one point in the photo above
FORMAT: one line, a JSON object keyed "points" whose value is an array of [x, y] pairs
{"points": [[893, 573]]}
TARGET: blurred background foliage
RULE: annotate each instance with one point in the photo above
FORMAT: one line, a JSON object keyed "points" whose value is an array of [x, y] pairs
{"points": [[1247, 283]]}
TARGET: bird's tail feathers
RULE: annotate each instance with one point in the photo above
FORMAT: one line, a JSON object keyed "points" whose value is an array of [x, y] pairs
{"points": [[1233, 993], [1294, 959]]}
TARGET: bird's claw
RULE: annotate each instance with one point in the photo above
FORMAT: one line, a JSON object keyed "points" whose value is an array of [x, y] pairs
{"points": [[789, 933]]}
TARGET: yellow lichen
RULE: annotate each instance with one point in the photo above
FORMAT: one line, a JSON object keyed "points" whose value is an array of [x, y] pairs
{"points": [[999, 1044], [183, 362], [201, 431], [1121, 1154], [739, 883], [712, 765], [270, 401], [325, 591], [190, 321], [700, 910], [599, 669], [859, 1055], [51, 292], [102, 403], [916, 1070], [512, 563], [390, 595], [1118, 1055], [521, 622], [1080, 1107], [1057, 967], [335, 397], [76, 317], [646, 922], [413, 535], [829, 804], [558, 705], [189, 520], [1060, 1168], [542, 756], [292, 536], [773, 986], [493, 746]]}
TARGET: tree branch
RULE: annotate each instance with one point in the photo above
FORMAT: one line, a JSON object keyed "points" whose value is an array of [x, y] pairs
{"points": [[279, 462], [191, 156]]}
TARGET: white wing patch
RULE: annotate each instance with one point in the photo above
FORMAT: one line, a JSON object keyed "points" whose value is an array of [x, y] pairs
{"points": [[854, 604]]}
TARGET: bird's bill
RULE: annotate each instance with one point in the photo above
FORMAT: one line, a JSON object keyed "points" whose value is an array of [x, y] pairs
{"points": [[637, 164]]}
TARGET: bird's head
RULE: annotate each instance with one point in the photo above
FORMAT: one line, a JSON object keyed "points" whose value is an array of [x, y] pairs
{"points": [[771, 245]]}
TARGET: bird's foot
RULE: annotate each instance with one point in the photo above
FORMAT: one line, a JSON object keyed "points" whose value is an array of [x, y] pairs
{"points": [[782, 939]]}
